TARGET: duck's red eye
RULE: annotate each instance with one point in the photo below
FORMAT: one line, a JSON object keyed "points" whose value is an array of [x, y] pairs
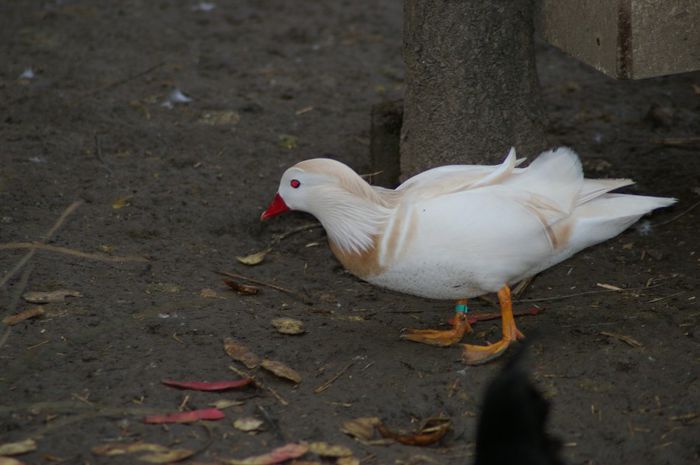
{"points": [[294, 183]]}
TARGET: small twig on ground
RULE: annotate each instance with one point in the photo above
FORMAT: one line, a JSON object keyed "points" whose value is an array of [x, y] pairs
{"points": [[73, 252], [24, 280], [629, 340], [14, 301], [579, 294], [486, 316], [271, 422], [23, 261], [210, 439], [307, 227], [686, 417], [258, 383], [658, 299], [120, 82], [677, 141], [684, 212], [98, 154], [333, 378], [490, 301], [520, 288], [290, 292]]}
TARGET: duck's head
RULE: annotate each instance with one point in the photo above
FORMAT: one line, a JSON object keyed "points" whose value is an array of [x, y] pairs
{"points": [[307, 185]]}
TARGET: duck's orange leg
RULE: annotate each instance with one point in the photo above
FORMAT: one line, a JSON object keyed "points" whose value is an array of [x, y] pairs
{"points": [[476, 355], [443, 338]]}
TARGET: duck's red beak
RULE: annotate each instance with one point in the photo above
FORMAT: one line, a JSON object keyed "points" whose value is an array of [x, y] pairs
{"points": [[276, 207]]}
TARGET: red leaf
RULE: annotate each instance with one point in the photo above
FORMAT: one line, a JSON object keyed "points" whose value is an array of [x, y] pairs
{"points": [[208, 386], [186, 417]]}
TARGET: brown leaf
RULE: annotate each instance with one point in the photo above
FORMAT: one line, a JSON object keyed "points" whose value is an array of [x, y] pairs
{"points": [[23, 315], [241, 353], [432, 431], [329, 450], [288, 326], [121, 202], [18, 447], [281, 454], [10, 461], [208, 293], [245, 289], [281, 370], [121, 448], [350, 460], [255, 258], [37, 297], [208, 385], [361, 428], [167, 456]]}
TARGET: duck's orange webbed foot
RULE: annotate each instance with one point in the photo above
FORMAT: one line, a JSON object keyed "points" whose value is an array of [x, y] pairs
{"points": [[443, 338], [477, 355]]}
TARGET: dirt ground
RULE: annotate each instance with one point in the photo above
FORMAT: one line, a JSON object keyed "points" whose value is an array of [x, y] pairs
{"points": [[272, 83]]}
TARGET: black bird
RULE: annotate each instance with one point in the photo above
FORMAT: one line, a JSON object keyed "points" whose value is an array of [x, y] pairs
{"points": [[511, 428]]}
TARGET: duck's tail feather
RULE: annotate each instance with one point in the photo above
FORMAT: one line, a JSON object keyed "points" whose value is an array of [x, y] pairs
{"points": [[608, 215], [593, 188]]}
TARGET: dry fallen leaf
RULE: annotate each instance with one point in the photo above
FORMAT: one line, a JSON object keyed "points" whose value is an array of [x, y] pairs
{"points": [[208, 293], [185, 417], [350, 460], [245, 289], [329, 450], [255, 258], [288, 325], [220, 118], [167, 456], [226, 403], [241, 353], [121, 448], [208, 385], [18, 447], [248, 424], [281, 370], [121, 202], [281, 454], [431, 432], [38, 297], [23, 315], [10, 461], [361, 428]]}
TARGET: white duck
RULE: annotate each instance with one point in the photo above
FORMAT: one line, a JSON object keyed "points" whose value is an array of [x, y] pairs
{"points": [[460, 231]]}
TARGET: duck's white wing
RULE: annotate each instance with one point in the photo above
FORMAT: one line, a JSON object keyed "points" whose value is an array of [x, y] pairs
{"points": [[555, 178], [455, 178]]}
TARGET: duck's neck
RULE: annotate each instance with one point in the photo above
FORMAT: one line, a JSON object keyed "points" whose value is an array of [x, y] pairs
{"points": [[351, 220]]}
